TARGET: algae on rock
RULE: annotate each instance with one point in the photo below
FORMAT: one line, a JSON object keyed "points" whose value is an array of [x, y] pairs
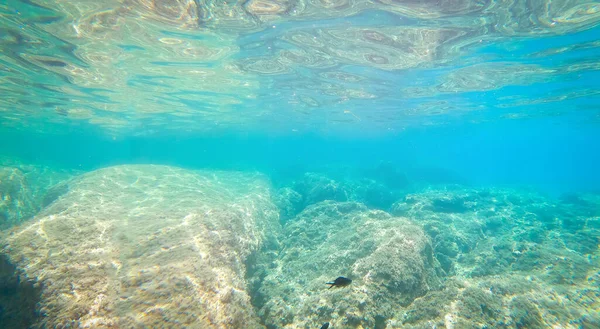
{"points": [[508, 301], [16, 198], [390, 260], [147, 246], [25, 189], [513, 259], [312, 188], [490, 232]]}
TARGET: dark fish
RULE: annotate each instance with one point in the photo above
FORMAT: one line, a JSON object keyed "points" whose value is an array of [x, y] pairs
{"points": [[325, 325], [340, 282]]}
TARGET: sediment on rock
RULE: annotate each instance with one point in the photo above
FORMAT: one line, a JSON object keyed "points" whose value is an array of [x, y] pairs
{"points": [[25, 189], [389, 260], [147, 246], [16, 198]]}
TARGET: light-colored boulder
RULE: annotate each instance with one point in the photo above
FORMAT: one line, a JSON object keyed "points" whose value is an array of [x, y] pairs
{"points": [[145, 246]]}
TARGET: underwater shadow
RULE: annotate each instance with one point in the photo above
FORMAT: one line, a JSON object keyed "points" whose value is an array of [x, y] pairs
{"points": [[18, 299]]}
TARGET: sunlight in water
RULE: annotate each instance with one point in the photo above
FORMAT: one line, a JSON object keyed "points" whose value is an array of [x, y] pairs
{"points": [[286, 164], [144, 66]]}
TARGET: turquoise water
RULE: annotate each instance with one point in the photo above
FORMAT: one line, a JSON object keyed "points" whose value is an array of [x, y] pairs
{"points": [[212, 164]]}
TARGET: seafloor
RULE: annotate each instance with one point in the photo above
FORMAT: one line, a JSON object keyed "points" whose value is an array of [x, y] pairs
{"points": [[145, 246]]}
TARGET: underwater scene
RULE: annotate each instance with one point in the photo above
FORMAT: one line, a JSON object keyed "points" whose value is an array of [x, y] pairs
{"points": [[282, 164]]}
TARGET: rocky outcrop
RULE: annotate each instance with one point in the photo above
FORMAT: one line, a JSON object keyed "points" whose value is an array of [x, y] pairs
{"points": [[16, 198], [27, 188], [146, 246], [389, 260]]}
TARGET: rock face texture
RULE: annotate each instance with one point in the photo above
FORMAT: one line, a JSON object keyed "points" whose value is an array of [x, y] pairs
{"points": [[26, 188], [449, 258], [513, 259], [477, 233], [16, 199], [389, 259], [146, 247], [362, 187]]}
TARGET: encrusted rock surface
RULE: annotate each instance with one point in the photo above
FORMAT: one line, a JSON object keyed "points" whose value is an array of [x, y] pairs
{"points": [[513, 259], [487, 232], [145, 246], [16, 198], [315, 187], [155, 246], [455, 257], [390, 260], [27, 188]]}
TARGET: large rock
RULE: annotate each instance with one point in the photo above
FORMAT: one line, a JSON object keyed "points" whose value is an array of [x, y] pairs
{"points": [[508, 301], [514, 259], [146, 247], [390, 260], [26, 188], [16, 198], [317, 187], [341, 186], [289, 203], [18, 298], [495, 231]]}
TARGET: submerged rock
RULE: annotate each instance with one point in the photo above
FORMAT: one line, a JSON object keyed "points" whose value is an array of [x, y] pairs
{"points": [[289, 203], [16, 198], [494, 231], [317, 187], [25, 189], [507, 301], [388, 259], [313, 188], [513, 259], [146, 246], [18, 298]]}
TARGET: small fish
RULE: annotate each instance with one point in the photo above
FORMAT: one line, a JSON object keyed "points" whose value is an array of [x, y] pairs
{"points": [[325, 325], [340, 282]]}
